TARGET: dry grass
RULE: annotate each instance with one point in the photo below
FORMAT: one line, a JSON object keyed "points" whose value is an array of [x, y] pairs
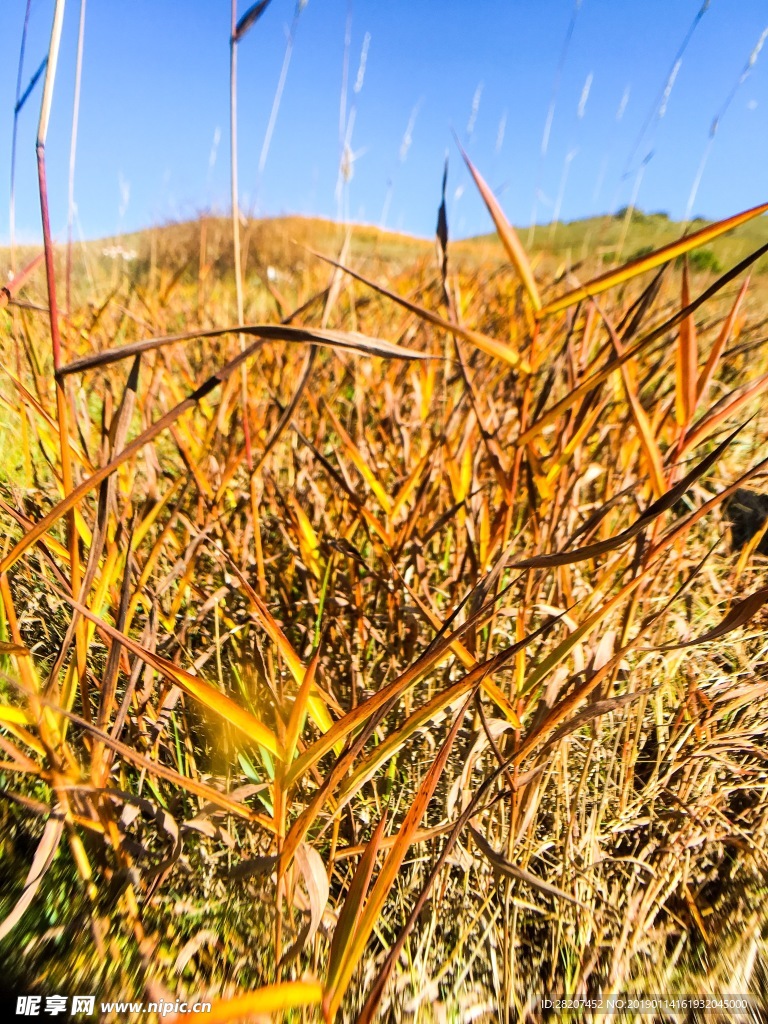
{"points": [[447, 694], [251, 670]]}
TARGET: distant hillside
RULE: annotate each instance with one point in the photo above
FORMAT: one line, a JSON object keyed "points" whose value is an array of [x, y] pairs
{"points": [[600, 237], [281, 243]]}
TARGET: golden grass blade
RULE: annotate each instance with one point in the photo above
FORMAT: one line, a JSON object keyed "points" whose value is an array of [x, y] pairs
{"points": [[14, 716], [391, 867], [299, 709], [655, 259], [315, 702], [687, 369], [506, 233], [486, 344], [368, 767], [710, 367], [286, 995], [348, 340], [349, 918], [647, 438], [490, 688], [309, 545], [360, 464]]}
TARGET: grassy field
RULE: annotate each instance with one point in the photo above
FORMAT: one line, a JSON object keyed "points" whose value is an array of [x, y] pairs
{"points": [[424, 686]]}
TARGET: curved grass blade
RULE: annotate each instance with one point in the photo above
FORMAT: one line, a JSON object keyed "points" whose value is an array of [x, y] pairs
{"points": [[738, 616], [504, 867], [655, 509], [351, 340]]}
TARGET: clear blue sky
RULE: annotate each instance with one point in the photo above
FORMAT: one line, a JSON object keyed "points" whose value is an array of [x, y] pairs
{"points": [[155, 97]]}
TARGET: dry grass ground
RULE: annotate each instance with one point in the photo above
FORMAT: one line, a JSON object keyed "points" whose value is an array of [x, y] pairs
{"points": [[399, 718]]}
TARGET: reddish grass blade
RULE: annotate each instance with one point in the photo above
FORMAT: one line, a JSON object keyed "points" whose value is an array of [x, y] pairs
{"points": [[722, 411], [11, 290], [486, 344]]}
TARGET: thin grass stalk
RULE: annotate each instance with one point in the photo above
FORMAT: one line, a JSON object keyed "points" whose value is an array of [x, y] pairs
{"points": [[62, 412], [280, 88], [17, 107], [73, 152], [236, 221]]}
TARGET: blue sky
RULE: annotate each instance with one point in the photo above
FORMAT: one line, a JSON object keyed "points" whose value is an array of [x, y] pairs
{"points": [[155, 102]]}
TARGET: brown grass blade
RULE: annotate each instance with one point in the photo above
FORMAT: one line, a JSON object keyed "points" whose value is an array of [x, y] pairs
{"points": [[738, 616], [723, 411], [249, 19], [708, 373], [504, 867], [348, 340], [654, 510], [354, 902]]}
